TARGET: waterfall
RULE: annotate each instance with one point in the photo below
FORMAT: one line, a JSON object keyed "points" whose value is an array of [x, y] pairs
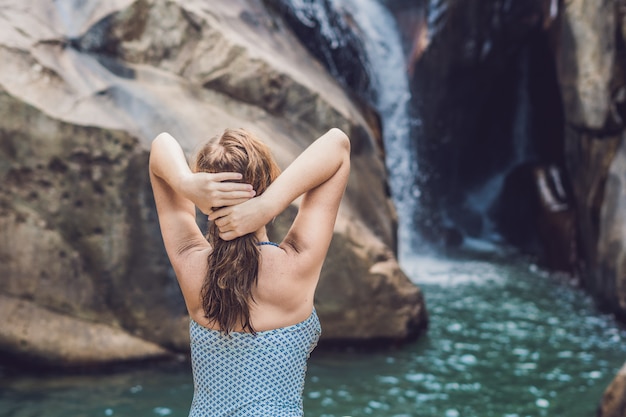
{"points": [[373, 65], [391, 96]]}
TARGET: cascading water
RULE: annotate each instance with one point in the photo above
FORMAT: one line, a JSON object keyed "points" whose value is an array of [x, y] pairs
{"points": [[388, 76]]}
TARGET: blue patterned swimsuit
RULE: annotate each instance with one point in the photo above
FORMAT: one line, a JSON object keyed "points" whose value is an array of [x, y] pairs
{"points": [[243, 375]]}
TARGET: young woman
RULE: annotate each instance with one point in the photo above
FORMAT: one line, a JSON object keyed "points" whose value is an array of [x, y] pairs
{"points": [[253, 324]]}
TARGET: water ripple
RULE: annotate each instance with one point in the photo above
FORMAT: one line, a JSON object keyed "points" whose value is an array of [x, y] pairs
{"points": [[504, 340]]}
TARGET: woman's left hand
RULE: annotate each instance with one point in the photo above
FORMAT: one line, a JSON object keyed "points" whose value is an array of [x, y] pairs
{"points": [[211, 190]]}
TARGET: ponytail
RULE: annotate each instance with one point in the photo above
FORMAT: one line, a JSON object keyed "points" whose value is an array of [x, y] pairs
{"points": [[233, 268]]}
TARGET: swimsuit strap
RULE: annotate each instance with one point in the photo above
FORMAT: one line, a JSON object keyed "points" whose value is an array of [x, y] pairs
{"points": [[268, 243]]}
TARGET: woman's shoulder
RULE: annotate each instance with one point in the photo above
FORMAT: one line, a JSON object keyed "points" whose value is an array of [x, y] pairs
{"points": [[284, 280], [284, 257]]}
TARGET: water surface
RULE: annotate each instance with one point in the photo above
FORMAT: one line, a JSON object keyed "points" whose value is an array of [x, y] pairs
{"points": [[505, 340]]}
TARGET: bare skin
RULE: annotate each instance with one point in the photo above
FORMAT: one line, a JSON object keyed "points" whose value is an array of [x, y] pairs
{"points": [[288, 274]]}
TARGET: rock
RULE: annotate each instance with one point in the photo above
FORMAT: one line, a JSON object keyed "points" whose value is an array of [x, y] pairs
{"points": [[610, 276], [536, 213], [82, 93], [613, 402], [586, 61], [329, 33], [81, 237], [592, 79], [556, 221], [40, 336]]}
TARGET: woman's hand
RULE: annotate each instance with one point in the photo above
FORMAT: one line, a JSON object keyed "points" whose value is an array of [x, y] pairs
{"points": [[212, 190], [240, 219]]}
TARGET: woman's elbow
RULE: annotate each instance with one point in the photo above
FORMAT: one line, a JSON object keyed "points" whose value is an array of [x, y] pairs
{"points": [[155, 150], [342, 139], [163, 136]]}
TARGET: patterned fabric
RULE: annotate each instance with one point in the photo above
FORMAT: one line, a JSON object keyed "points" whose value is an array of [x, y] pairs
{"points": [[244, 375], [268, 243]]}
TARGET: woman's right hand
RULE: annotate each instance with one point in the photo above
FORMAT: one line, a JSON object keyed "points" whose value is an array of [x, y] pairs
{"points": [[209, 191], [240, 219]]}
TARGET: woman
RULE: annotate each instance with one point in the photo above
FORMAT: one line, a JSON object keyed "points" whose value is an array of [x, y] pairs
{"points": [[253, 324]]}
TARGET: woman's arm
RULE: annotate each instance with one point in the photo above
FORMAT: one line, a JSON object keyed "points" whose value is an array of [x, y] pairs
{"points": [[176, 189], [321, 173]]}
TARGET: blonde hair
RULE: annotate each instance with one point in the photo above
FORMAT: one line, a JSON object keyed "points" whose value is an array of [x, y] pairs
{"points": [[233, 265]]}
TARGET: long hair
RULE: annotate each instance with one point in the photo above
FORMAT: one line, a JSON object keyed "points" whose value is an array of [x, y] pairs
{"points": [[233, 265]]}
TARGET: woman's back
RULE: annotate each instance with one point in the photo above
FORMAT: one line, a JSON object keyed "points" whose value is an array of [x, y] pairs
{"points": [[283, 295], [242, 374]]}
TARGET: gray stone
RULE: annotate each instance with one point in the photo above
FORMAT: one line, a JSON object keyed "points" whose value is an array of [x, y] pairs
{"points": [[41, 336], [82, 93]]}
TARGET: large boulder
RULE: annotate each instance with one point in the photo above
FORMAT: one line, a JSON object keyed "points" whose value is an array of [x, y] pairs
{"points": [[83, 90], [592, 76], [592, 80]]}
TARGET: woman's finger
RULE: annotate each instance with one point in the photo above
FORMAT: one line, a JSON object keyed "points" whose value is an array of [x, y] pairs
{"points": [[222, 222], [233, 201], [231, 187], [221, 212], [230, 195], [227, 176], [227, 235]]}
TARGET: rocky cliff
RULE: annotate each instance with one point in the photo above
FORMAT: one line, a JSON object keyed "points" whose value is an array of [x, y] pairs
{"points": [[592, 75], [593, 82], [84, 87]]}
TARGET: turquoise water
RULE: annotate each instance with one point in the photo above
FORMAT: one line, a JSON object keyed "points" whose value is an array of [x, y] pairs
{"points": [[505, 340]]}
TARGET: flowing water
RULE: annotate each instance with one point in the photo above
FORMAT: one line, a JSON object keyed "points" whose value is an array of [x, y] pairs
{"points": [[388, 75]]}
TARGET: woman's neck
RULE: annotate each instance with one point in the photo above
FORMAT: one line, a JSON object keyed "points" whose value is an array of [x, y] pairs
{"points": [[261, 234]]}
